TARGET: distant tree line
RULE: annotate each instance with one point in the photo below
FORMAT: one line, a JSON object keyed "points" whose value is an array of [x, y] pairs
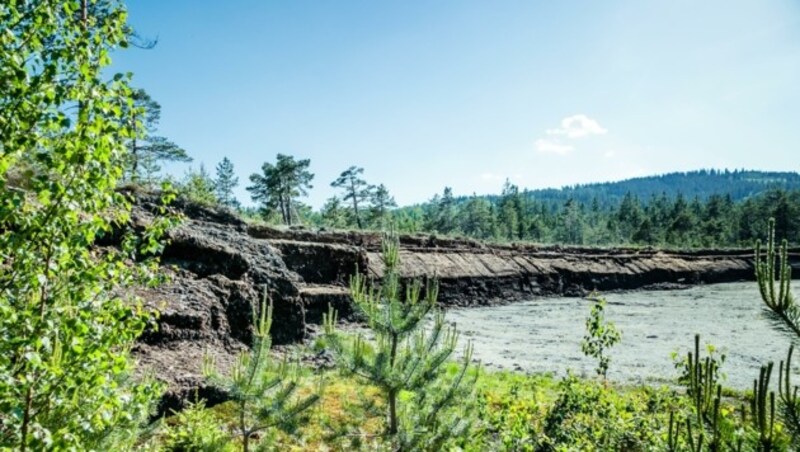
{"points": [[661, 219], [739, 184]]}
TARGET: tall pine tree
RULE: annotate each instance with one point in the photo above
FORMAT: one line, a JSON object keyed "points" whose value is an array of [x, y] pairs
{"points": [[279, 185], [225, 182], [356, 190], [146, 149]]}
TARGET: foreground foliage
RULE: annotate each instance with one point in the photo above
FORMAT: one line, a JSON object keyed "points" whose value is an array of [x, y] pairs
{"points": [[66, 324], [781, 307], [511, 411]]}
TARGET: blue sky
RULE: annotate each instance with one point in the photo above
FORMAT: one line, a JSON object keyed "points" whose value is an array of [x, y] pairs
{"points": [[427, 94]]}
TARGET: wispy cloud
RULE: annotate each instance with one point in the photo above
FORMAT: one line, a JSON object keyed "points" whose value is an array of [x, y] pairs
{"points": [[578, 126], [550, 146], [558, 140]]}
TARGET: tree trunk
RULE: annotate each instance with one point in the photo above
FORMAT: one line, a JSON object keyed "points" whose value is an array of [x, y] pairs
{"points": [[392, 412], [289, 219], [245, 432], [282, 208], [393, 392], [355, 203]]}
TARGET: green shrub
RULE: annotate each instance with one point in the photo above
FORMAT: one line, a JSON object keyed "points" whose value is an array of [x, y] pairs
{"points": [[600, 336], [195, 429], [589, 415]]}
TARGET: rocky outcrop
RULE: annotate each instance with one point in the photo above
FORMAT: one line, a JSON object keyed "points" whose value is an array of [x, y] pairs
{"points": [[219, 267]]}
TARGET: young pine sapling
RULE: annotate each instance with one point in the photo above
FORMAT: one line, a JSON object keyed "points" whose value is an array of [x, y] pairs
{"points": [[262, 390], [408, 364]]}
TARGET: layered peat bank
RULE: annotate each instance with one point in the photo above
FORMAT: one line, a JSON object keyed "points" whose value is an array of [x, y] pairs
{"points": [[220, 267]]}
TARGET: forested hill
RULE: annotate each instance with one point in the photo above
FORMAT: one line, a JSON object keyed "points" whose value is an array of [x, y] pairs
{"points": [[739, 184], [701, 208]]}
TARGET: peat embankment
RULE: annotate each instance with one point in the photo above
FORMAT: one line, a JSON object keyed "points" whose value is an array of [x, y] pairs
{"points": [[472, 273], [219, 267]]}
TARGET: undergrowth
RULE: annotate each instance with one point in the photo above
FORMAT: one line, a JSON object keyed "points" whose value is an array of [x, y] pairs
{"points": [[512, 411]]}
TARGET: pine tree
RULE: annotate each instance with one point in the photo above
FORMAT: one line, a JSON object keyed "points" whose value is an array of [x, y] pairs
{"points": [[572, 223], [381, 203], [262, 390], [645, 234], [278, 185], [404, 358], [476, 219], [198, 186], [715, 222], [225, 182], [509, 209], [629, 216], [333, 214], [356, 190], [681, 222], [146, 149], [441, 215]]}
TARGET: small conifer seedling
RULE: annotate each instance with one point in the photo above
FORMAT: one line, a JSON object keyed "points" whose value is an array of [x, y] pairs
{"points": [[263, 391], [407, 363]]}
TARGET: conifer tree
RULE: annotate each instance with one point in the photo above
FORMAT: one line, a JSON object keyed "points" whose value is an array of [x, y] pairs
{"points": [[381, 202], [225, 182], [356, 190], [404, 358], [571, 223], [476, 219], [198, 186], [681, 221], [333, 214], [441, 215], [509, 212], [629, 216], [278, 186], [262, 390], [782, 308], [146, 148]]}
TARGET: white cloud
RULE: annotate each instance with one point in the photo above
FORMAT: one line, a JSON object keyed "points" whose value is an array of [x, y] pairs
{"points": [[578, 126], [550, 146], [610, 154]]}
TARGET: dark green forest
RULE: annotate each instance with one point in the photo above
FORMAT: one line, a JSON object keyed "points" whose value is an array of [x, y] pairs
{"points": [[661, 220], [703, 183], [706, 208]]}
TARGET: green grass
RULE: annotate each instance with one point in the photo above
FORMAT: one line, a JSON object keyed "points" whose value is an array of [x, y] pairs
{"points": [[511, 411]]}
